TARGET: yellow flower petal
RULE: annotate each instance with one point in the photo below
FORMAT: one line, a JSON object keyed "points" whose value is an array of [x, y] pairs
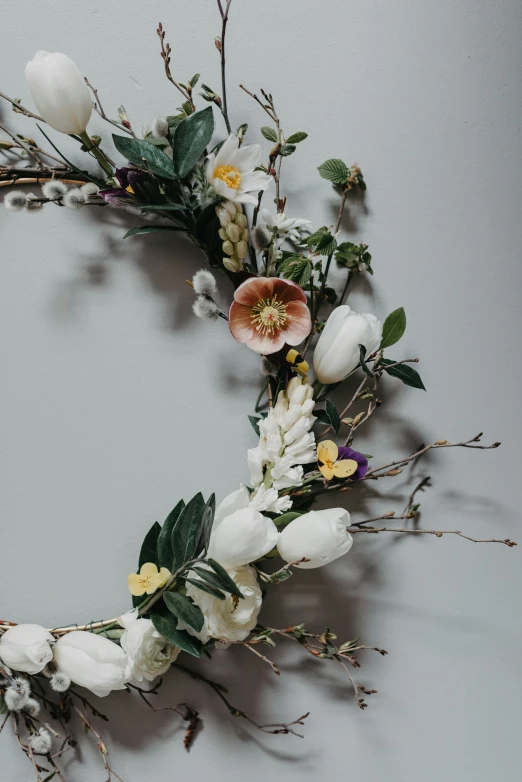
{"points": [[148, 570], [164, 576], [327, 451], [135, 585], [345, 468], [327, 471], [153, 584], [291, 356]]}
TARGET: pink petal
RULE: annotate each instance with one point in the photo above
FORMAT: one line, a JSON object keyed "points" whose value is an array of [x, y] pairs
{"points": [[240, 322], [299, 323], [254, 289]]}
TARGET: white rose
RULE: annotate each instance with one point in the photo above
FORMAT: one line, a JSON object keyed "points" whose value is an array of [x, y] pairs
{"points": [[320, 536], [59, 92], [149, 654], [26, 648], [337, 351], [242, 537], [91, 661], [230, 619]]}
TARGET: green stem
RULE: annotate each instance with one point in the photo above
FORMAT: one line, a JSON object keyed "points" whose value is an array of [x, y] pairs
{"points": [[258, 400], [98, 154]]}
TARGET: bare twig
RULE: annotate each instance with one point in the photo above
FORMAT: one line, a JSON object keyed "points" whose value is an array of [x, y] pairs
{"points": [[166, 51], [437, 533], [224, 20], [98, 108], [265, 659], [19, 109]]}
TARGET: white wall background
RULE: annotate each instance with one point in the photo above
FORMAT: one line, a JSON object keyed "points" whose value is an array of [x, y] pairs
{"points": [[115, 401]]}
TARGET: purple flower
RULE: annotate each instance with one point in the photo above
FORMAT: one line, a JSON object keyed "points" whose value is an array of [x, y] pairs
{"points": [[362, 461]]}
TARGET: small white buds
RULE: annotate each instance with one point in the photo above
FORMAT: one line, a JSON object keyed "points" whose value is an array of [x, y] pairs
{"points": [[160, 127], [206, 308], [90, 189], [54, 189], [234, 234], [16, 201], [60, 682], [41, 742], [75, 198], [204, 283]]}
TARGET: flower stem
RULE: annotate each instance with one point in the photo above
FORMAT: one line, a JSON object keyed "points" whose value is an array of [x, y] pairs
{"points": [[98, 154]]}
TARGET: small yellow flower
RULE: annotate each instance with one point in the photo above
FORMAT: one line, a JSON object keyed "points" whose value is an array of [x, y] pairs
{"points": [[148, 579], [299, 365], [327, 453]]}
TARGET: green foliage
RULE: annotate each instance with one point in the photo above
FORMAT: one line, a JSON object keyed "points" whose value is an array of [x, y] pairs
{"points": [[269, 133], [207, 520], [351, 255], [182, 607], [190, 140], [166, 624], [206, 588], [285, 518], [408, 375], [322, 241], [149, 547], [297, 268], [215, 580], [335, 171], [152, 229], [228, 584], [329, 416], [165, 552], [167, 207], [144, 155], [186, 533], [288, 149], [393, 328], [254, 420], [364, 365], [296, 138]]}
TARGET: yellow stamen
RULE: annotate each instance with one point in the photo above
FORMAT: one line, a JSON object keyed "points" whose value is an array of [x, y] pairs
{"points": [[230, 176], [269, 315], [129, 189]]}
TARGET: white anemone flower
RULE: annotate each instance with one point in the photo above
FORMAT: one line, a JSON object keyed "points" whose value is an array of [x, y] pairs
{"points": [[231, 172]]}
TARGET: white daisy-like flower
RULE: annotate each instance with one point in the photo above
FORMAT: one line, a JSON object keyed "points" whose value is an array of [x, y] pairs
{"points": [[291, 228], [231, 172]]}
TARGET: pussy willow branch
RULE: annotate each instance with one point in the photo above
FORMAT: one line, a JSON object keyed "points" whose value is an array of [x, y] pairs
{"points": [[224, 17]]}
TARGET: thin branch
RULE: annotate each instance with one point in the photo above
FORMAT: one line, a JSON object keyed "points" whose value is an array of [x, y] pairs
{"points": [[98, 108], [437, 533], [166, 51], [19, 109], [224, 18], [265, 659]]}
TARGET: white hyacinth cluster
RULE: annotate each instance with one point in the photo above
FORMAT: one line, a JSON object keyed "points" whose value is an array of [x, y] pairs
{"points": [[234, 233], [286, 443]]}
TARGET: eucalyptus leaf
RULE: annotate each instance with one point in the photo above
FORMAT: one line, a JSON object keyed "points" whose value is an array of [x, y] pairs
{"points": [[408, 375], [149, 547], [191, 138], [167, 207], [144, 155], [393, 328], [215, 580], [153, 229], [165, 555], [185, 609], [333, 415], [166, 625], [228, 583], [206, 588], [364, 366], [207, 520]]}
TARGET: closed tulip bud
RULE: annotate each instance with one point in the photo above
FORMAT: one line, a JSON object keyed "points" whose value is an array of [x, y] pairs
{"points": [[319, 536], [240, 534], [91, 661], [26, 648], [337, 352], [59, 92]]}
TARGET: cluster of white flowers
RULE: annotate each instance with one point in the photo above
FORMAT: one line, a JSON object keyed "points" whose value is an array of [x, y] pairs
{"points": [[286, 443], [53, 190], [234, 234], [277, 229]]}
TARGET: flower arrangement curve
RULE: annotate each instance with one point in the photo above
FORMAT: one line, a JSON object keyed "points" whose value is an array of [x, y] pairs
{"points": [[199, 582]]}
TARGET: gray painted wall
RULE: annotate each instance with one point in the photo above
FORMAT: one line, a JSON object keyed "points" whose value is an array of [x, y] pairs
{"points": [[115, 399]]}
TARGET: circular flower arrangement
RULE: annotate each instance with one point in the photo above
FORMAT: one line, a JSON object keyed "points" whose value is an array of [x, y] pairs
{"points": [[201, 576]]}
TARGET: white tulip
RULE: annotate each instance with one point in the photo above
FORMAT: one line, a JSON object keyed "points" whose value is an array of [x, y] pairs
{"points": [[337, 351], [236, 500], [59, 92], [242, 537], [91, 661], [230, 619], [320, 536], [26, 648], [149, 654]]}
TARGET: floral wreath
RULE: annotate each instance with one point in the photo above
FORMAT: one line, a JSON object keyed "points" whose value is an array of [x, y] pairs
{"points": [[201, 575]]}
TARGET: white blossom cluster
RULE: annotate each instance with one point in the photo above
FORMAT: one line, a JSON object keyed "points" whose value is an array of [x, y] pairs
{"points": [[234, 234], [279, 229], [286, 443]]}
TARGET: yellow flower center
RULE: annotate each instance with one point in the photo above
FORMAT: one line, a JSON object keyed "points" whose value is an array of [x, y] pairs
{"points": [[146, 582], [229, 174], [129, 189], [269, 315]]}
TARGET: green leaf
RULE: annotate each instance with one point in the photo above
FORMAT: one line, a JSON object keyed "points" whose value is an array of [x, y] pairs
{"points": [[190, 140], [206, 588], [185, 609], [166, 625], [288, 149], [364, 365], [194, 80], [269, 133], [186, 532], [207, 520], [408, 375], [334, 170], [254, 420], [165, 555], [322, 241], [333, 415], [393, 328], [297, 268], [168, 207], [152, 229], [228, 584], [286, 518], [296, 138], [149, 547], [144, 155], [214, 580], [100, 182]]}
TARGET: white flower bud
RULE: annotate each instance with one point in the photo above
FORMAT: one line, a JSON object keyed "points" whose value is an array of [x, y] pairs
{"points": [[204, 283], [228, 248], [242, 537], [241, 250], [337, 351], [54, 189], [59, 92], [205, 308], [233, 232], [223, 215], [231, 208], [41, 742], [32, 707], [27, 648], [222, 234], [60, 682], [241, 220], [320, 536], [90, 189], [75, 198], [160, 127], [232, 264], [15, 201]]}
